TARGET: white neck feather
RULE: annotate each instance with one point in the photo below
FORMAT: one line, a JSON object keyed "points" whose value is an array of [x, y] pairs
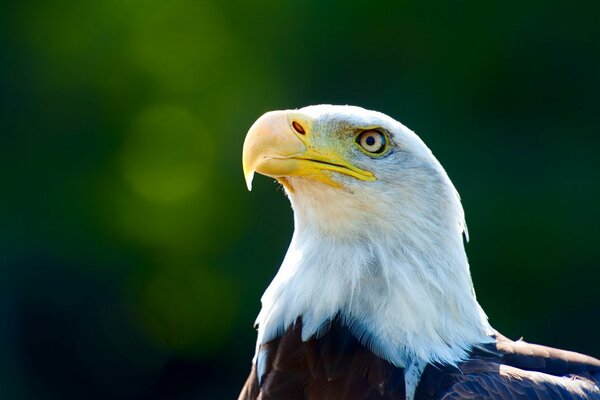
{"points": [[401, 283]]}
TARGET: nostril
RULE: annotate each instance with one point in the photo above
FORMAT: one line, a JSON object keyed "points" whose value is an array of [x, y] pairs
{"points": [[298, 128]]}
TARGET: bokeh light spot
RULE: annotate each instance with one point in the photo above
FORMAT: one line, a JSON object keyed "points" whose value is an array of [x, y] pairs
{"points": [[166, 155]]}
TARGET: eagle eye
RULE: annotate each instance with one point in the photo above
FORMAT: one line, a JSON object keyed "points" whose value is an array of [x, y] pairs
{"points": [[372, 141]]}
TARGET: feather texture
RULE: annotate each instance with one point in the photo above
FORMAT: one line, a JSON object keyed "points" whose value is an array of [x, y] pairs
{"points": [[337, 367]]}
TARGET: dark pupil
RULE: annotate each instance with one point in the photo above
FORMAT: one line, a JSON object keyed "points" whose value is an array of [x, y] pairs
{"points": [[370, 140]]}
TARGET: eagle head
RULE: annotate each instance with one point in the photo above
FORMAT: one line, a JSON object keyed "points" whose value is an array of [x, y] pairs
{"points": [[378, 234]]}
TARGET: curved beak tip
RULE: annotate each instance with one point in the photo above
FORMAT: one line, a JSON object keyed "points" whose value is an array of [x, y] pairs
{"points": [[249, 176]]}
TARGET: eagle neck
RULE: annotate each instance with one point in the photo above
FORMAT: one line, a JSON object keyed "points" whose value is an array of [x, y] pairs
{"points": [[404, 289]]}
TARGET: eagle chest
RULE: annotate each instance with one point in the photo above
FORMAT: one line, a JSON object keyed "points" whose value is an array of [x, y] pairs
{"points": [[333, 366]]}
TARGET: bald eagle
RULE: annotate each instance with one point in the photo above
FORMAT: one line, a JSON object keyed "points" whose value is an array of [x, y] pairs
{"points": [[374, 298]]}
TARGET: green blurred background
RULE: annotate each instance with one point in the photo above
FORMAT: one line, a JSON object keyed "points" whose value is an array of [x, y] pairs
{"points": [[132, 258]]}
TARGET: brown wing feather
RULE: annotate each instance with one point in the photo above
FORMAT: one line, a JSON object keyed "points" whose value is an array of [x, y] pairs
{"points": [[515, 370], [506, 382], [535, 357], [251, 389]]}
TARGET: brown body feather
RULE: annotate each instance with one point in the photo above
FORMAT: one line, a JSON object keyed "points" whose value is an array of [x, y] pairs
{"points": [[336, 366]]}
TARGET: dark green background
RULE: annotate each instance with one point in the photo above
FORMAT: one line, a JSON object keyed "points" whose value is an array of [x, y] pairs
{"points": [[132, 256]]}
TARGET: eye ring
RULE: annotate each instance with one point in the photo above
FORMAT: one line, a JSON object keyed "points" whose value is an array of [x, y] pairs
{"points": [[372, 141]]}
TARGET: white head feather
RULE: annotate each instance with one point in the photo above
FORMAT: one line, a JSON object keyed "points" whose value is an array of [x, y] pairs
{"points": [[387, 256]]}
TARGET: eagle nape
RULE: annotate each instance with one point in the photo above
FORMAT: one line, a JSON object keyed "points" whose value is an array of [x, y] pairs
{"points": [[374, 298]]}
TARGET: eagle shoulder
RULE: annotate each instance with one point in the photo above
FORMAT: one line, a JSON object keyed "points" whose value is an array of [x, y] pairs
{"points": [[515, 370]]}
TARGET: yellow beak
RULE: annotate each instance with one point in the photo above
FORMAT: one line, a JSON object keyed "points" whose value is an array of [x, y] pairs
{"points": [[274, 148]]}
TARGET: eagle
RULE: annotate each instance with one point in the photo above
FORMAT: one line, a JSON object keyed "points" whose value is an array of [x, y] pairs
{"points": [[374, 298]]}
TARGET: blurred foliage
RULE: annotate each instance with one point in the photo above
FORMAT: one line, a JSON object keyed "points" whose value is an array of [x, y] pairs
{"points": [[132, 259]]}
